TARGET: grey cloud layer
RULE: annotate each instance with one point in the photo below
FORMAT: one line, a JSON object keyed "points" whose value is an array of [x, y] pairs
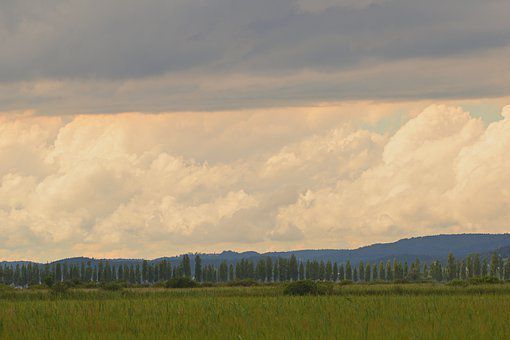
{"points": [[152, 185], [223, 53]]}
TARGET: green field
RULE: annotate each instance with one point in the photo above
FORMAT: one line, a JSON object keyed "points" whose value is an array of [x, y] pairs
{"points": [[413, 311]]}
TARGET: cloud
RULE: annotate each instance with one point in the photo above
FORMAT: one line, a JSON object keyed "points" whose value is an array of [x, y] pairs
{"points": [[440, 172], [152, 185], [70, 57]]}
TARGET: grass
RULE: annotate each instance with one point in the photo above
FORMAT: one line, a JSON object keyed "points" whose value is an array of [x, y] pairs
{"points": [[414, 311]]}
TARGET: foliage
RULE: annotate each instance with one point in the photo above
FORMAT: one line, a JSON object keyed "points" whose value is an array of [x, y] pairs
{"points": [[484, 280], [306, 287], [458, 283], [345, 282], [112, 286], [60, 288], [181, 282], [244, 283], [49, 281]]}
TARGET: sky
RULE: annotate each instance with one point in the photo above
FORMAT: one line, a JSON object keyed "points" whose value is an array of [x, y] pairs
{"points": [[154, 128]]}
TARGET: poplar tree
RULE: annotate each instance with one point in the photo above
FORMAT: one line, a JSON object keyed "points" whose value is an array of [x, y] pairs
{"points": [[302, 271], [494, 266], [389, 274], [186, 266], [322, 271], [231, 272], [452, 268], [293, 268], [58, 272], [477, 267], [341, 272], [198, 268], [366, 276], [381, 275], [348, 271], [269, 269], [484, 267], [329, 271]]}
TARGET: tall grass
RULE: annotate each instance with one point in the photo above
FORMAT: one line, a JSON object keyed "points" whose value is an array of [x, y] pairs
{"points": [[353, 312]]}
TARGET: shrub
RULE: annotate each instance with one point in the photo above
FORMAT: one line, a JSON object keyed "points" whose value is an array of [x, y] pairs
{"points": [[306, 287], [181, 282], [59, 288], [112, 286], [49, 281], [401, 281], [89, 284], [325, 288], [484, 280], [345, 282], [244, 283], [457, 283], [159, 284], [37, 286]]}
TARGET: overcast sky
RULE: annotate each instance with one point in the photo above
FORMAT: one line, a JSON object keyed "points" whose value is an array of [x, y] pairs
{"points": [[149, 128]]}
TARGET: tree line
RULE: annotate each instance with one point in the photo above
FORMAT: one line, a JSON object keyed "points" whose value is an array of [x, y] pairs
{"points": [[266, 269]]}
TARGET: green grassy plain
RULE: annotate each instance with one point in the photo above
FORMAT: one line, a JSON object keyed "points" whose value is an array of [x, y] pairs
{"points": [[412, 311]]}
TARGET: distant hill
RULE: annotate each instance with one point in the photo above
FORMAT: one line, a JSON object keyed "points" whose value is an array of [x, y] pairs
{"points": [[426, 248]]}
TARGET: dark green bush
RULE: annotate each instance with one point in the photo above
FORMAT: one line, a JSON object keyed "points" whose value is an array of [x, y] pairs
{"points": [[244, 283], [325, 288], [159, 284], [305, 287], [89, 285], [70, 284], [112, 286], [457, 283], [181, 282], [37, 287], [49, 281], [401, 281], [484, 280], [59, 288]]}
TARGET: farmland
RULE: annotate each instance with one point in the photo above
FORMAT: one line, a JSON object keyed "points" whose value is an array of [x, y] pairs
{"points": [[357, 311]]}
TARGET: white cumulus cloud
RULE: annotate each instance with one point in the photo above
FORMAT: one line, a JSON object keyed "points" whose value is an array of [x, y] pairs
{"points": [[152, 185]]}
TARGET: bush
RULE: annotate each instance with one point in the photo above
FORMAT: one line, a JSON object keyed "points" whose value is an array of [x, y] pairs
{"points": [[325, 288], [306, 287], [484, 280], [244, 283], [49, 281], [59, 288], [37, 286], [70, 284], [89, 285], [457, 283], [401, 281], [208, 284], [112, 286], [181, 282], [159, 284], [345, 282]]}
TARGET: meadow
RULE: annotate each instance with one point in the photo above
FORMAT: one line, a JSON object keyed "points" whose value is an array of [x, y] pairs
{"points": [[358, 311]]}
